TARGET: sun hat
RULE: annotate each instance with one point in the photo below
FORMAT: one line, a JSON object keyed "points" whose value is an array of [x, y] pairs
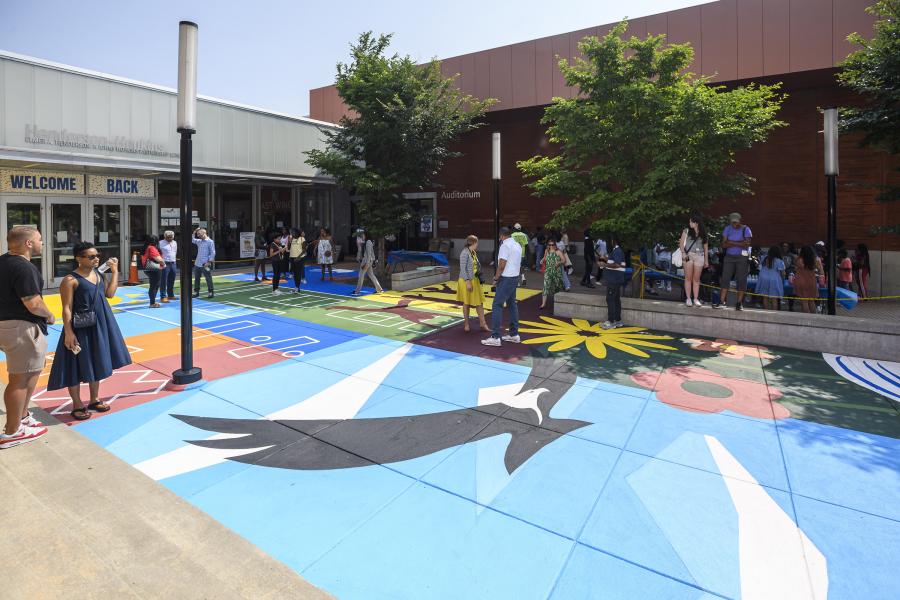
{"points": [[734, 217]]}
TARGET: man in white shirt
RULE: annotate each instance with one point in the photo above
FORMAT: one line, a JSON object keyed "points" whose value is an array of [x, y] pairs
{"points": [[168, 247], [506, 280]]}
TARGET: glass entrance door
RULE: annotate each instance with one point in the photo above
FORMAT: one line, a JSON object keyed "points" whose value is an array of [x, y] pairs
{"points": [[65, 229], [139, 219], [16, 211], [107, 231]]}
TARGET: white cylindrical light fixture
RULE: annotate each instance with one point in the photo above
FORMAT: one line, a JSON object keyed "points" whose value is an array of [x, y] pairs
{"points": [[831, 141], [187, 76], [496, 156]]}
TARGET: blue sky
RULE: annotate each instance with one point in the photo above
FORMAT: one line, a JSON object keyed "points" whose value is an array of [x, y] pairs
{"points": [[270, 53]]}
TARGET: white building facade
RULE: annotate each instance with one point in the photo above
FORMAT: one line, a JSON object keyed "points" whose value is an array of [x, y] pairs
{"points": [[86, 156]]}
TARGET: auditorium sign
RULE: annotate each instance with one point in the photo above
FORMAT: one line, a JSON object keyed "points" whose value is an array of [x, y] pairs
{"points": [[458, 195]]}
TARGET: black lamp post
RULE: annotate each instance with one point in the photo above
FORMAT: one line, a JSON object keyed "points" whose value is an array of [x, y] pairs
{"points": [[495, 171], [831, 173], [187, 126]]}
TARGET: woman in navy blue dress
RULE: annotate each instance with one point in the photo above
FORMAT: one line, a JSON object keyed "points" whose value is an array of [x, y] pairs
{"points": [[88, 354]]}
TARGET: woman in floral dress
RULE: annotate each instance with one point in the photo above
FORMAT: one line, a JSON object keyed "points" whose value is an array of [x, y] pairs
{"points": [[553, 264]]}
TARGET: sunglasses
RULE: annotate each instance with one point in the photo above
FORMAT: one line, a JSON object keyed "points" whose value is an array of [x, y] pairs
{"points": [[90, 256]]}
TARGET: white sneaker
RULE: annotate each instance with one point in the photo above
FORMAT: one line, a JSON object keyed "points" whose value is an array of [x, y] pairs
{"points": [[688, 302], [698, 303], [24, 435], [492, 341], [29, 421], [303, 282], [608, 325], [276, 292], [619, 324], [515, 339]]}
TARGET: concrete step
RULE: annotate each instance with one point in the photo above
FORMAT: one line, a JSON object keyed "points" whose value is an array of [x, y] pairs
{"points": [[80, 523]]}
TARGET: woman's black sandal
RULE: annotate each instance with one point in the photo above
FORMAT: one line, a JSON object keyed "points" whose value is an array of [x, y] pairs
{"points": [[81, 414], [98, 406]]}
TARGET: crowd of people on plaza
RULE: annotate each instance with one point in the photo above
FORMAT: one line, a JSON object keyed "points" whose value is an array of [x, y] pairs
{"points": [[91, 346]]}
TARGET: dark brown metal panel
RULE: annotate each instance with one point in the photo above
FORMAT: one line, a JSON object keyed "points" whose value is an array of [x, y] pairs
{"points": [[720, 35], [467, 74], [749, 38], [560, 47], [849, 16], [544, 66], [811, 34], [522, 63], [658, 24], [684, 26], [776, 37], [450, 67], [637, 27], [316, 104], [482, 74], [501, 77]]}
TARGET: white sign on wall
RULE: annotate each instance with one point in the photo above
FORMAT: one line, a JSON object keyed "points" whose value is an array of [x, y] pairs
{"points": [[41, 182], [122, 187]]}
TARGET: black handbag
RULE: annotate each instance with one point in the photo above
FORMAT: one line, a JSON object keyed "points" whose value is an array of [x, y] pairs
{"points": [[82, 319]]}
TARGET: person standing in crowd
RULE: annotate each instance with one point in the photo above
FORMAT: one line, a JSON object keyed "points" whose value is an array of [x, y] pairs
{"points": [[590, 258], [771, 279], [614, 278], [600, 252], [844, 270], [366, 257], [522, 239], [788, 255], [468, 288], [297, 256], [23, 333], [553, 273], [736, 239], [807, 266], [259, 263], [285, 241], [168, 247], [278, 255], [506, 280], [540, 242], [91, 346], [206, 254], [664, 264], [695, 257], [154, 265], [325, 252], [863, 267]]}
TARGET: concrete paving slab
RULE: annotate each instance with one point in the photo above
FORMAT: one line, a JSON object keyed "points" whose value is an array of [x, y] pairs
{"points": [[94, 527]]}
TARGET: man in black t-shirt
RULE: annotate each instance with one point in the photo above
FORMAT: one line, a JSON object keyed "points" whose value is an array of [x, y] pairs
{"points": [[23, 329]]}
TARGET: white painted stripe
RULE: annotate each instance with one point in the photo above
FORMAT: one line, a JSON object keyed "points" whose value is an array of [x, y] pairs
{"points": [[777, 559], [340, 401], [346, 397], [184, 459]]}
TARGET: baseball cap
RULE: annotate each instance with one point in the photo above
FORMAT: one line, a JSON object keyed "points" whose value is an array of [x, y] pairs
{"points": [[517, 226], [820, 243], [734, 217]]}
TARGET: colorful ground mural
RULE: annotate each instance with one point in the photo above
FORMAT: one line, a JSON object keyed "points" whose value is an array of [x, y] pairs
{"points": [[380, 451]]}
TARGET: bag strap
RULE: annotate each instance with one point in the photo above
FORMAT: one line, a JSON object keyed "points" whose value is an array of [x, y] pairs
{"points": [[100, 278]]}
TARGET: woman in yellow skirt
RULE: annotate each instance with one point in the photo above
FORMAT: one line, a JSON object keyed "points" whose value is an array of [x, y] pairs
{"points": [[468, 287]]}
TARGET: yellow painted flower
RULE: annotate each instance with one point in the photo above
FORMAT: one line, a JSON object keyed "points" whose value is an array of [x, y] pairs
{"points": [[563, 335]]}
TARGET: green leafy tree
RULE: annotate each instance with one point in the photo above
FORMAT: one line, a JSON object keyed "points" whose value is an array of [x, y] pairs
{"points": [[644, 143], [404, 118], [874, 72]]}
